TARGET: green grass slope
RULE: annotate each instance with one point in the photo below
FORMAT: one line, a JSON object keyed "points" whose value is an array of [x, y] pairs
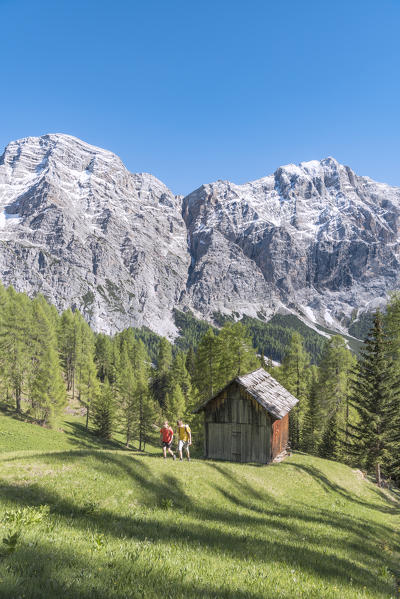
{"points": [[18, 435], [119, 524]]}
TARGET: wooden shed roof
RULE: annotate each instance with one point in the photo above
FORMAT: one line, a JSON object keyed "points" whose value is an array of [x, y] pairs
{"points": [[265, 390]]}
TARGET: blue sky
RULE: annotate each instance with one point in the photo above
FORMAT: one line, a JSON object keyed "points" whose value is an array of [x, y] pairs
{"points": [[196, 91]]}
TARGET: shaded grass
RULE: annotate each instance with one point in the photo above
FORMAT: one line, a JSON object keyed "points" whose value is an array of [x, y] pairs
{"points": [[124, 525]]}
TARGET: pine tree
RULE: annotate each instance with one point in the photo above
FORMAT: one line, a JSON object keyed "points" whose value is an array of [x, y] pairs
{"points": [[103, 411], [374, 393], [392, 466], [329, 443], [392, 330]]}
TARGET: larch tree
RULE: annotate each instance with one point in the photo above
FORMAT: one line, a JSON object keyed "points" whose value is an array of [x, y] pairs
{"points": [[126, 386], [148, 408], [312, 417], [175, 405], [237, 353], [191, 362], [208, 361], [160, 378], [67, 343], [104, 357], [47, 394], [85, 368], [15, 333], [333, 393], [179, 375], [294, 375]]}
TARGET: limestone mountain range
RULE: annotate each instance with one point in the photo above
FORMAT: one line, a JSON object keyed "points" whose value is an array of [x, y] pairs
{"points": [[315, 239]]}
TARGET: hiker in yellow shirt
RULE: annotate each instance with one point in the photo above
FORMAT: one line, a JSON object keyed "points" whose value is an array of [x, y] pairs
{"points": [[184, 439]]}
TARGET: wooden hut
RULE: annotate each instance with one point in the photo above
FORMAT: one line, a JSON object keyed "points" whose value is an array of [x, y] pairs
{"points": [[248, 420]]}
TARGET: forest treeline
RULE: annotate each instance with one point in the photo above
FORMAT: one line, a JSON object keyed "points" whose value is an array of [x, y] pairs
{"points": [[269, 338], [349, 408]]}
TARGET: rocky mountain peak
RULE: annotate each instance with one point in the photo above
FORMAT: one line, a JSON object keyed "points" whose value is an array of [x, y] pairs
{"points": [[76, 225]]}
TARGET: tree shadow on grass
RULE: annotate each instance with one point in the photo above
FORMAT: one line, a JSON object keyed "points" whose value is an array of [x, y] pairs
{"points": [[243, 488], [330, 486], [190, 523], [63, 573], [81, 437]]}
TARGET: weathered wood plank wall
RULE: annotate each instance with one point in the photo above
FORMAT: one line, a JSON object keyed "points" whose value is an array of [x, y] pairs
{"points": [[280, 435], [237, 428]]}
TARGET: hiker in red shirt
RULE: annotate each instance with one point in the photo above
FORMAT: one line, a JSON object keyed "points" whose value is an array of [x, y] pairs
{"points": [[167, 435]]}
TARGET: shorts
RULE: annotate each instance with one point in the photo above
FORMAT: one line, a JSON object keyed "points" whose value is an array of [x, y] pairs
{"points": [[166, 444], [182, 445]]}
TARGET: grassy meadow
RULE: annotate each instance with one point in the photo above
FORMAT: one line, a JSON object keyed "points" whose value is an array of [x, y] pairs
{"points": [[84, 519]]}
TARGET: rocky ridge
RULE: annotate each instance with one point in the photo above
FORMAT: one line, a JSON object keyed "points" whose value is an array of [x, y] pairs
{"points": [[77, 226]]}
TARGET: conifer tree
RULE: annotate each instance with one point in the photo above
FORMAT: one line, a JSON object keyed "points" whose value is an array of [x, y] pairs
{"points": [[85, 368], [294, 375], [375, 391], [392, 466], [104, 357], [208, 360], [191, 362], [329, 443], [4, 382], [103, 411], [47, 394], [392, 330], [148, 409], [138, 408], [180, 376], [312, 419], [127, 386], [175, 405], [68, 342], [15, 351], [237, 353], [333, 392], [161, 374]]}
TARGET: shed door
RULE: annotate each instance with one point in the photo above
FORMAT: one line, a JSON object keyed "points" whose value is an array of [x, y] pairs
{"points": [[219, 440], [237, 442]]}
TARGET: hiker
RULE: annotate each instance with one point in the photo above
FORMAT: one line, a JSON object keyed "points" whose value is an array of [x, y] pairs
{"points": [[184, 439], [167, 435]]}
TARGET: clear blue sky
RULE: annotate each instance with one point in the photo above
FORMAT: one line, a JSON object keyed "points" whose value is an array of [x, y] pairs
{"points": [[219, 89]]}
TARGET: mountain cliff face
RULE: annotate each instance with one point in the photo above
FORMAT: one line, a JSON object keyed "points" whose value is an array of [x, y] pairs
{"points": [[315, 238], [77, 226]]}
